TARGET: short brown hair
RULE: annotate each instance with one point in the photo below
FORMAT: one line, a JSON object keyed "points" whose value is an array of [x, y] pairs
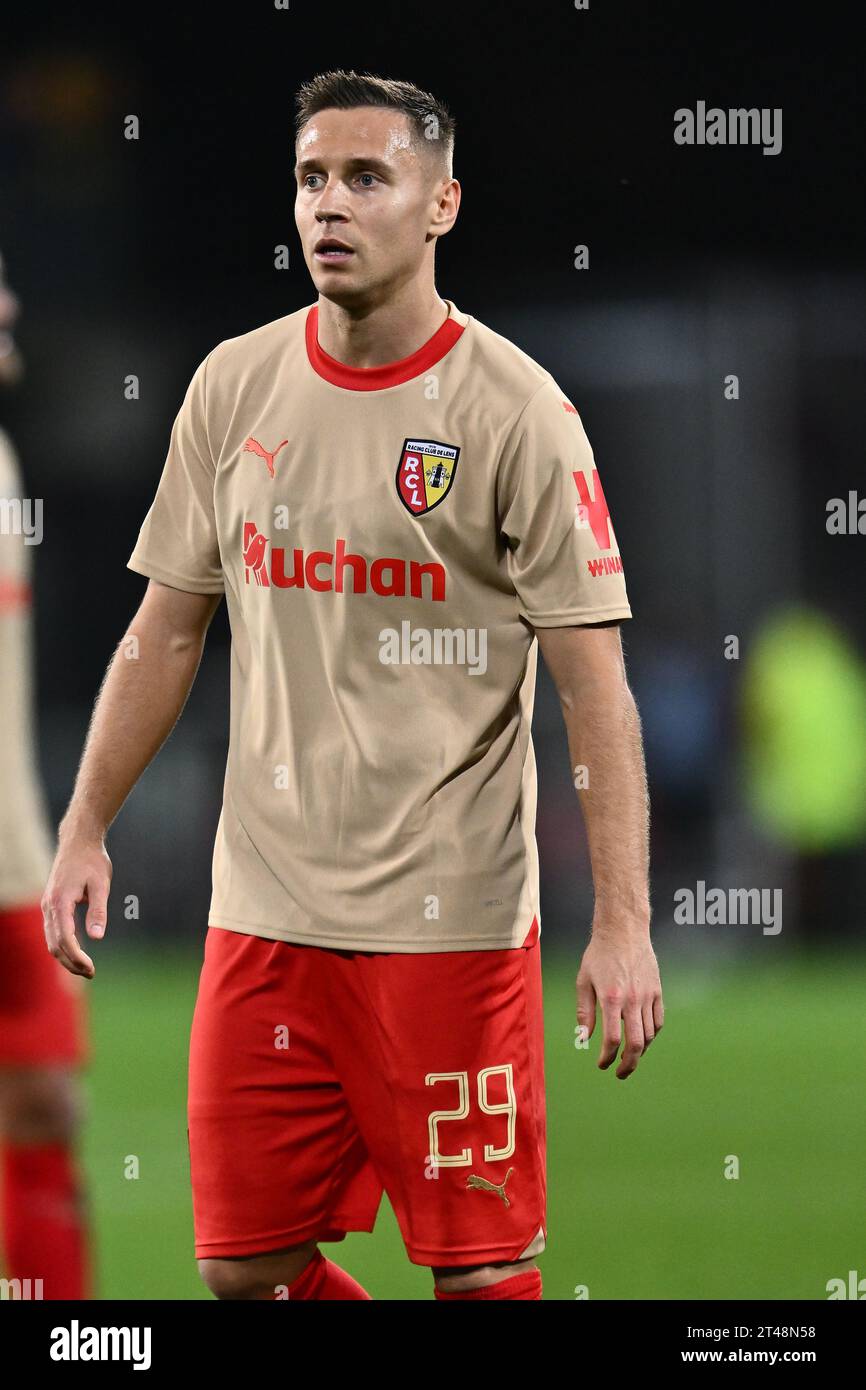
{"points": [[347, 90]]}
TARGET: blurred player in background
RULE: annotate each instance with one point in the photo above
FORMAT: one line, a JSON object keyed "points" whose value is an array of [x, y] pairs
{"points": [[43, 1233], [396, 503]]}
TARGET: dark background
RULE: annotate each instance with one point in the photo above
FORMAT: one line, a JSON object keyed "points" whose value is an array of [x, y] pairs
{"points": [[139, 256]]}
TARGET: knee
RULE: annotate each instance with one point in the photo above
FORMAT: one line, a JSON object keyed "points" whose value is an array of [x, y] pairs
{"points": [[466, 1278], [256, 1277], [228, 1279], [39, 1106]]}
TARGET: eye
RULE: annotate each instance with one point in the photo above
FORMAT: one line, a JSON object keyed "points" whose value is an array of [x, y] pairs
{"points": [[307, 177], [371, 177]]}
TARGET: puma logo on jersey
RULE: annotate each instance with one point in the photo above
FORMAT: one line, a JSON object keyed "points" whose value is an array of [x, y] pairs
{"points": [[484, 1186], [253, 446]]}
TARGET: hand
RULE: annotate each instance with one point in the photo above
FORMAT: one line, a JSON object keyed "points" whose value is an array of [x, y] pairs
{"points": [[622, 973], [81, 873]]}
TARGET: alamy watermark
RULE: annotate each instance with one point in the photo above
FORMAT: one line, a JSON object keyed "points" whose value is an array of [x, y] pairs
{"points": [[737, 126], [732, 907], [438, 646], [22, 516]]}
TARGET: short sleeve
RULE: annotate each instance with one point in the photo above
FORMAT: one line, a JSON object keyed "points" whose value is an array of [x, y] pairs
{"points": [[178, 542], [562, 554]]}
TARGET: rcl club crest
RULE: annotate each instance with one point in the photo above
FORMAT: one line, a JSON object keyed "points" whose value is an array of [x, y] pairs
{"points": [[425, 473]]}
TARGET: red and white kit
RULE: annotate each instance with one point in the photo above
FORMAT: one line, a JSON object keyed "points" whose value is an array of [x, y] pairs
{"points": [[386, 539]]}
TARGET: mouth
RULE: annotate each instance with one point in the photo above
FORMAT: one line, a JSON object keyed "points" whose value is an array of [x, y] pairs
{"points": [[329, 251]]}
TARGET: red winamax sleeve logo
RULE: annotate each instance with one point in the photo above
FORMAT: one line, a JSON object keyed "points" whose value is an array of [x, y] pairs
{"points": [[595, 510], [595, 507]]}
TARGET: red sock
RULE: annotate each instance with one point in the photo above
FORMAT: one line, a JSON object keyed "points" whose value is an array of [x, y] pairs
{"points": [[525, 1286], [43, 1232], [325, 1281]]}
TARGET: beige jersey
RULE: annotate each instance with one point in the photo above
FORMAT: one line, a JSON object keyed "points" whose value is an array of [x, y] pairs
{"points": [[386, 538], [25, 841]]}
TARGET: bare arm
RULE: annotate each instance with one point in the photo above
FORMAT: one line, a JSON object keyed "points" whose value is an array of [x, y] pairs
{"points": [[619, 967], [144, 690]]}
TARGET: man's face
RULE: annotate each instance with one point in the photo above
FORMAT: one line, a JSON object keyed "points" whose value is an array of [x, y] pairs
{"points": [[362, 181], [10, 359]]}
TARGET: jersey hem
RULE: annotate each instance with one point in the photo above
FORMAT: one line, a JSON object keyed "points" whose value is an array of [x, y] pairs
{"points": [[402, 945], [577, 615], [175, 581]]}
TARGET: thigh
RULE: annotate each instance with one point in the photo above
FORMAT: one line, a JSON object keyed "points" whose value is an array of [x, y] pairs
{"points": [[275, 1158], [442, 1060]]}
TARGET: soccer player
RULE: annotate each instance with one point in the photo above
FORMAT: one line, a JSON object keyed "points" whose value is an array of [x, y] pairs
{"points": [[43, 1231], [399, 507]]}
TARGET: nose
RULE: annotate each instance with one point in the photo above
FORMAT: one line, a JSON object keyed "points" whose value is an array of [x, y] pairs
{"points": [[332, 203]]}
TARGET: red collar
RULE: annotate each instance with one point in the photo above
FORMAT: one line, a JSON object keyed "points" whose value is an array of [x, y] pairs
{"points": [[390, 373]]}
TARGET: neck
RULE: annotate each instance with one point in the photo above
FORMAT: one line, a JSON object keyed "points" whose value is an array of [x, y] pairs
{"points": [[377, 334]]}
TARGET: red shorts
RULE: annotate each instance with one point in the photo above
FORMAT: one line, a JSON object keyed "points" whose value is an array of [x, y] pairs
{"points": [[319, 1078], [41, 1004]]}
